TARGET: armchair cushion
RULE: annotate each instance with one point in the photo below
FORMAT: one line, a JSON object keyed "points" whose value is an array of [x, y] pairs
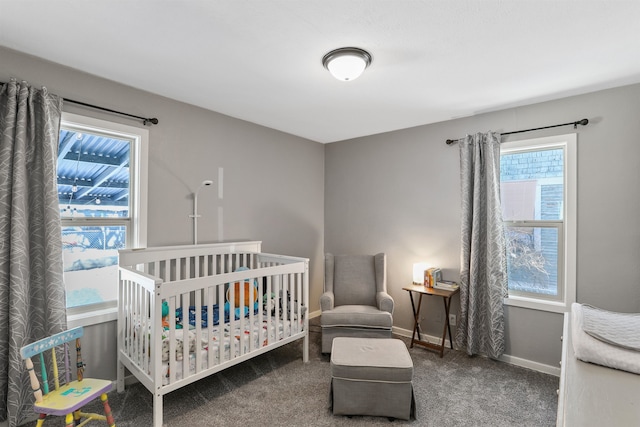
{"points": [[357, 316], [354, 279]]}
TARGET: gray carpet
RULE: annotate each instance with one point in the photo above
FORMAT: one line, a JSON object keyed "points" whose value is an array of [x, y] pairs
{"points": [[278, 389]]}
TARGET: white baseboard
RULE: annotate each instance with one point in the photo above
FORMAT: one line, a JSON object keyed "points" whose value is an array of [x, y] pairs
{"points": [[512, 360], [530, 364]]}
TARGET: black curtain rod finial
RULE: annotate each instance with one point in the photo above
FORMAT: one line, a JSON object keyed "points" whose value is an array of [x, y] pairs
{"points": [[150, 122]]}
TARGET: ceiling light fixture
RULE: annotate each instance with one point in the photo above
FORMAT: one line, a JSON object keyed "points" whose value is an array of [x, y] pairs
{"points": [[347, 63]]}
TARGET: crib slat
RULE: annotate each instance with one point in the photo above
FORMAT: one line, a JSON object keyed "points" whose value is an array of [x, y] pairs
{"points": [[232, 320], [144, 322], [123, 307], [126, 305], [253, 338], [209, 296], [260, 312], [196, 266], [136, 322], [299, 300], [185, 335], [270, 308], [240, 309], [146, 338], [172, 339], [141, 336], [221, 317], [278, 298], [136, 337], [154, 268], [198, 345]]}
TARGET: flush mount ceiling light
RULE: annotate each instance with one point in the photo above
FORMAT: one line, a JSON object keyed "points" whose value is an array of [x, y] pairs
{"points": [[346, 63]]}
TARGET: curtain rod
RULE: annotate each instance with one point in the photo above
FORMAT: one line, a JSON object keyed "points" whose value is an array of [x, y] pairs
{"points": [[145, 120], [575, 124]]}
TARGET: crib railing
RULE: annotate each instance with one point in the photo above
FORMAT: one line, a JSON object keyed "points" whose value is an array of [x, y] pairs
{"points": [[159, 292]]}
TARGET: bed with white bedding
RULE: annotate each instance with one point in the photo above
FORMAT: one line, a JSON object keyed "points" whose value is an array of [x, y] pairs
{"points": [[258, 302]]}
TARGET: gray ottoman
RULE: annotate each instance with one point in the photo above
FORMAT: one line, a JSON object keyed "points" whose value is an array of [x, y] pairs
{"points": [[371, 377]]}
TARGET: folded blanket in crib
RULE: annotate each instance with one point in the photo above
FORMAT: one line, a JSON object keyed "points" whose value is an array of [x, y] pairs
{"points": [[606, 338], [216, 314]]}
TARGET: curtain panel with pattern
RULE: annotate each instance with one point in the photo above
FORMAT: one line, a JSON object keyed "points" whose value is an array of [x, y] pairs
{"points": [[483, 274], [32, 296]]}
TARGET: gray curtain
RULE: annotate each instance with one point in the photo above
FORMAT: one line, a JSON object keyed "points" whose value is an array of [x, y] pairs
{"points": [[32, 297], [483, 274]]}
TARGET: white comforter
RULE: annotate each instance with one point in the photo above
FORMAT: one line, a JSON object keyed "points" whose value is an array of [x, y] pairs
{"points": [[604, 348]]}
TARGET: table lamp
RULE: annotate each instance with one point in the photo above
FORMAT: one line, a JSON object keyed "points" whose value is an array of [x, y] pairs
{"points": [[418, 272]]}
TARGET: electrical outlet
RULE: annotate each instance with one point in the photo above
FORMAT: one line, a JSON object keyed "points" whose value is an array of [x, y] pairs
{"points": [[452, 320]]}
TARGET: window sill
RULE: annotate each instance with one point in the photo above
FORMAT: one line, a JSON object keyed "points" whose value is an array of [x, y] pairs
{"points": [[537, 304], [94, 317]]}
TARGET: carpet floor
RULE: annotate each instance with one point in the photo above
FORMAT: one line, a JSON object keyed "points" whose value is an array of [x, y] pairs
{"points": [[278, 389]]}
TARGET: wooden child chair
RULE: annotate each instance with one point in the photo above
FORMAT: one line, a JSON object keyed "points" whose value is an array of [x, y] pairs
{"points": [[66, 399]]}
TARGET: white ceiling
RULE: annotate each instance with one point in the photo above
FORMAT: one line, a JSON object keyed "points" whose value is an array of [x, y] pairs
{"points": [[260, 60]]}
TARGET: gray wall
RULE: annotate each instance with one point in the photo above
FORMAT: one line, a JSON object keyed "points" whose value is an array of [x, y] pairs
{"points": [[396, 192], [399, 193], [273, 182]]}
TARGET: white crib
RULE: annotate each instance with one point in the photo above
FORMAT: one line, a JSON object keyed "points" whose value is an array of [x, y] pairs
{"points": [[223, 324]]}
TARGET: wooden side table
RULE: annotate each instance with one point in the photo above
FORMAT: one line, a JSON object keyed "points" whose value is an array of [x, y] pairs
{"points": [[446, 299]]}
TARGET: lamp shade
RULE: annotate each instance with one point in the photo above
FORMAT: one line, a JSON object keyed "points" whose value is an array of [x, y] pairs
{"points": [[346, 63], [418, 272]]}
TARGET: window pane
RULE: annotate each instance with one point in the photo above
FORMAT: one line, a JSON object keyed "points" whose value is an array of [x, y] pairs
{"points": [[93, 175], [532, 260], [90, 256], [532, 185]]}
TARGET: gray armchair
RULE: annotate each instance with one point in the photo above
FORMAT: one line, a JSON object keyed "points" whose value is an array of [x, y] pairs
{"points": [[355, 302]]}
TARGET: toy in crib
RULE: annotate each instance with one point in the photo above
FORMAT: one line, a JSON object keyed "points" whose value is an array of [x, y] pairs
{"points": [[247, 291], [165, 316], [268, 304], [284, 304], [241, 308]]}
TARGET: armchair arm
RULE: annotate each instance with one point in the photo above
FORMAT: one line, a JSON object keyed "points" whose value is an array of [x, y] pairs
{"points": [[385, 302], [326, 301]]}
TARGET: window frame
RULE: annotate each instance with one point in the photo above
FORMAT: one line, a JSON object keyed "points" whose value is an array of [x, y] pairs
{"points": [[567, 241], [138, 193]]}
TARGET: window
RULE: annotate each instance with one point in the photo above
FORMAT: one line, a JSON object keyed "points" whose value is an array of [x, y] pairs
{"points": [[538, 197], [102, 197]]}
